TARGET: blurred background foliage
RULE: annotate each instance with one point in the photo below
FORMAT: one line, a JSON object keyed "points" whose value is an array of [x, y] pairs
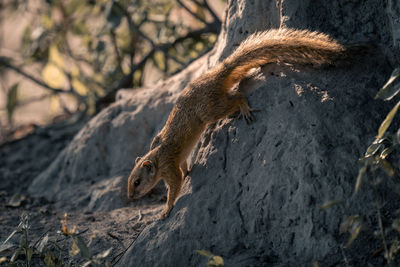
{"points": [[78, 53]]}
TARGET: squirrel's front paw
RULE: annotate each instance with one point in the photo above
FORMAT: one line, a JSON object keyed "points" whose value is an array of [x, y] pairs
{"points": [[165, 214]]}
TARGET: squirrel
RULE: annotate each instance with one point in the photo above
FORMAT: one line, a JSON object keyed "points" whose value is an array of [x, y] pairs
{"points": [[209, 98]]}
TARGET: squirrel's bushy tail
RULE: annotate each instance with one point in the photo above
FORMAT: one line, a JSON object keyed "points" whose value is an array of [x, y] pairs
{"points": [[280, 45]]}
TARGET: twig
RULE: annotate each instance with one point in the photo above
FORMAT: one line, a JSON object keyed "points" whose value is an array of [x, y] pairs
{"points": [[5, 63], [121, 254], [126, 81], [30, 77], [41, 236], [381, 230], [177, 60], [140, 216], [346, 261], [382, 233], [132, 26], [116, 51], [33, 99], [191, 12], [113, 236], [64, 106], [207, 6]]}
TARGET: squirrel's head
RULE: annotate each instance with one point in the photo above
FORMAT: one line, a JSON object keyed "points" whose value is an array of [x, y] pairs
{"points": [[142, 178]]}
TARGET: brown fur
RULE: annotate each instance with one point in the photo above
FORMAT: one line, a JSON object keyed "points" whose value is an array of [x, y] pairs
{"points": [[209, 98]]}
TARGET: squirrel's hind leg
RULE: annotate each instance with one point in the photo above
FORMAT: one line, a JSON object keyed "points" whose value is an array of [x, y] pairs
{"points": [[238, 102], [245, 111], [227, 104]]}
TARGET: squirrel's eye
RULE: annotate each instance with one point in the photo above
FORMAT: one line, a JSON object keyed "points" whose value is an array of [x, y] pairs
{"points": [[137, 183]]}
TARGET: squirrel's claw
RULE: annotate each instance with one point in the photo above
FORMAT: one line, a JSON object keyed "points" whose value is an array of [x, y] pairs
{"points": [[165, 214], [245, 112]]}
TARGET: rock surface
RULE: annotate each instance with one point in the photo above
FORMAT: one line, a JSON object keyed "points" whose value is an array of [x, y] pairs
{"points": [[254, 192]]}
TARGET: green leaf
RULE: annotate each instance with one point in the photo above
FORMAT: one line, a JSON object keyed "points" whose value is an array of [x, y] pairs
{"points": [[396, 139], [29, 253], [15, 255], [360, 176], [81, 246], [74, 249], [73, 6], [396, 225], [387, 167], [330, 204], [16, 200], [103, 254], [204, 253], [49, 260], [159, 60], [353, 224], [80, 28], [86, 264], [5, 247], [43, 243], [12, 100], [394, 250], [374, 147], [388, 120], [215, 261], [354, 233], [11, 235], [391, 88], [386, 152]]}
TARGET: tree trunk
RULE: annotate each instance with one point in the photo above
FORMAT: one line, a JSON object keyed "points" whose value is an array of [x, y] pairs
{"points": [[254, 192]]}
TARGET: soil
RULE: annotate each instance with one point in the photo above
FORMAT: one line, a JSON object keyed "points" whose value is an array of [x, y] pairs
{"points": [[21, 160]]}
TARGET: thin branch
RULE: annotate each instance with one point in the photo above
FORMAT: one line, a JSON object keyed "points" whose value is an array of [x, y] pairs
{"points": [[5, 63], [121, 254], [133, 27], [346, 261], [53, 90], [64, 106], [76, 57], [41, 236], [127, 79], [215, 17], [72, 91], [33, 99], [177, 60], [115, 46], [381, 231], [191, 12], [192, 34]]}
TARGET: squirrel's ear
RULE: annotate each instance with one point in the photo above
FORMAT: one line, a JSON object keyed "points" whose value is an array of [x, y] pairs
{"points": [[137, 160], [148, 164]]}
